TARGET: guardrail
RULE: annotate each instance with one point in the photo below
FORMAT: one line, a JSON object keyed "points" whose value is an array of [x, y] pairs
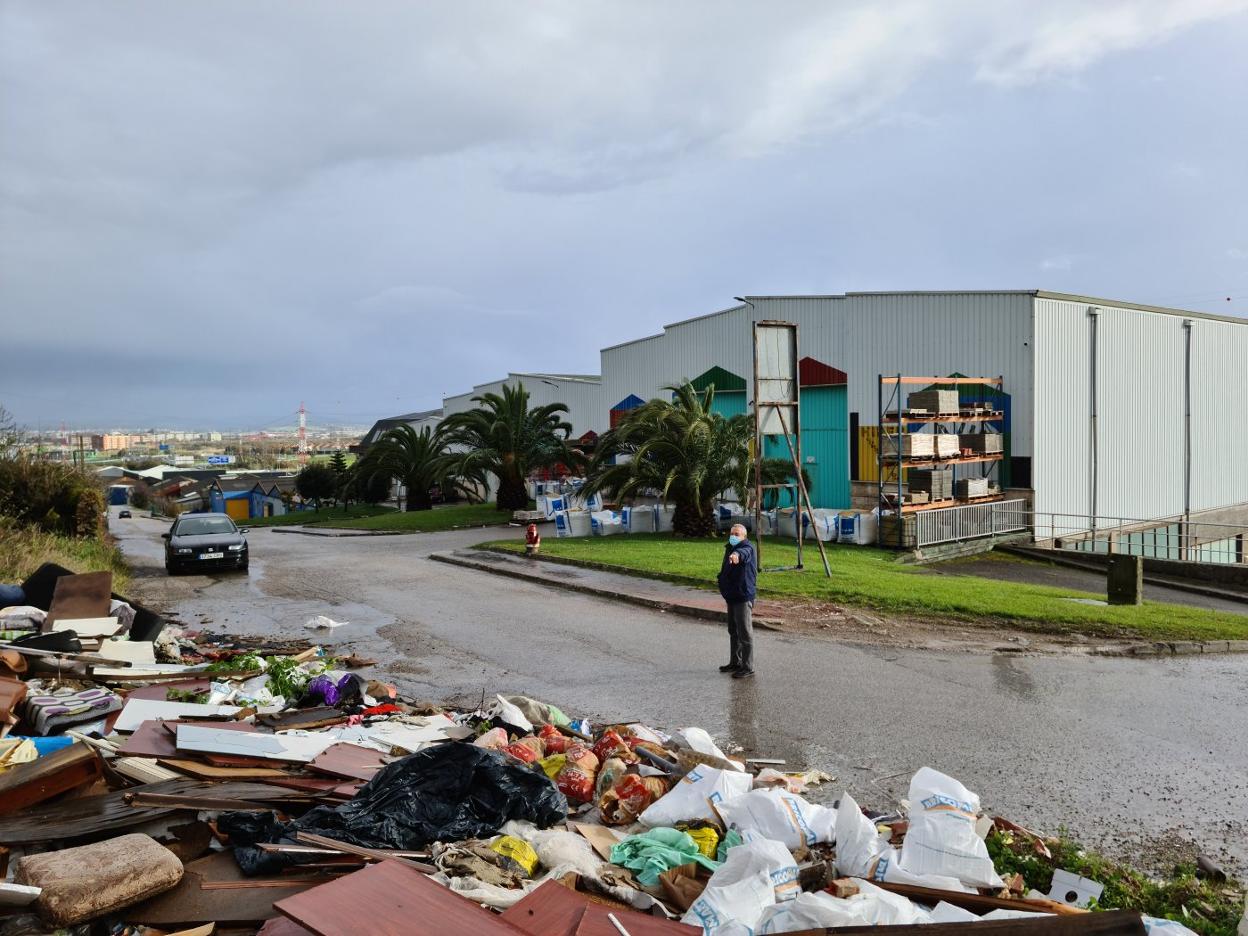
{"points": [[1188, 539], [970, 521]]}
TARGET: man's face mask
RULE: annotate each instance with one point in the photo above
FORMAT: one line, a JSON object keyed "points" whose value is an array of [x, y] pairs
{"points": [[734, 540]]}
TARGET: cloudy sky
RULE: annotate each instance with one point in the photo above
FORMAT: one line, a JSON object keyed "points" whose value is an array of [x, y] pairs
{"points": [[210, 211]]}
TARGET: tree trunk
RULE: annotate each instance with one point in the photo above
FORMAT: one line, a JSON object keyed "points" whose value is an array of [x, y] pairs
{"points": [[513, 494], [418, 498], [694, 519]]}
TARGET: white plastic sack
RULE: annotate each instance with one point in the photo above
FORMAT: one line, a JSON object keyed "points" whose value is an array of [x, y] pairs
{"points": [[690, 799], [756, 875], [862, 852], [321, 622], [871, 906], [698, 739], [605, 523], [941, 838], [509, 713], [780, 815]]}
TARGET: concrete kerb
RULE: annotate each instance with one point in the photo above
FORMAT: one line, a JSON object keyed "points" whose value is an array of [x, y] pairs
{"points": [[347, 532], [693, 611]]}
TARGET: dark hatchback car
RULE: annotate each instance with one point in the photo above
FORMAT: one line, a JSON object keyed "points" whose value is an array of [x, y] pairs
{"points": [[204, 541]]}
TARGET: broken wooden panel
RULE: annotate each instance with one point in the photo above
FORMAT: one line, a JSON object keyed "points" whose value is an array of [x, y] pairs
{"points": [[87, 595], [156, 738], [25, 785], [388, 899], [199, 898], [137, 711], [1105, 923], [295, 748], [348, 761]]}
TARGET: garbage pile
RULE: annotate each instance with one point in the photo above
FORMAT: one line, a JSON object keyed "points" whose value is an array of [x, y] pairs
{"points": [[155, 782]]}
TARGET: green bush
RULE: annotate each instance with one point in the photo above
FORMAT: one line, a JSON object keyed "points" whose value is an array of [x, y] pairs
{"points": [[47, 495]]}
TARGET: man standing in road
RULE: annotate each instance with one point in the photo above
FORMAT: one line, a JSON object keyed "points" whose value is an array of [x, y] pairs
{"points": [[737, 579]]}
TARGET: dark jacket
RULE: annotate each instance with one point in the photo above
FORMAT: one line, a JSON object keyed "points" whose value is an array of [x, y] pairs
{"points": [[737, 582]]}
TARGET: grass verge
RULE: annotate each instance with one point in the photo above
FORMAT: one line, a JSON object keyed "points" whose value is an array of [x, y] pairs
{"points": [[873, 578], [330, 515], [22, 550], [1209, 907], [387, 519]]}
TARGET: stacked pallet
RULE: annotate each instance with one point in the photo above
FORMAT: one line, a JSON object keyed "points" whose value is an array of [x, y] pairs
{"points": [[937, 483], [935, 402], [917, 445], [984, 443], [971, 487]]}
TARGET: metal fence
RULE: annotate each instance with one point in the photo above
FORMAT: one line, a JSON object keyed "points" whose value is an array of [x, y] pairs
{"points": [[1190, 539], [970, 521]]}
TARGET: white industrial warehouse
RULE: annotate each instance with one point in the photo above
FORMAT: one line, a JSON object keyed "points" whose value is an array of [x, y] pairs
{"points": [[1108, 409]]}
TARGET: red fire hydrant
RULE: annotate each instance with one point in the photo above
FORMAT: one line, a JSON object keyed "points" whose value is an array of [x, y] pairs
{"points": [[532, 540]]}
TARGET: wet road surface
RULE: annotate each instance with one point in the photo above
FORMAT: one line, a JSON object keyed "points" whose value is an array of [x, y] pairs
{"points": [[1132, 756]]}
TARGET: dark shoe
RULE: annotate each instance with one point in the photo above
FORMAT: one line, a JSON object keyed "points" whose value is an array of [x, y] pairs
{"points": [[729, 668], [743, 674]]}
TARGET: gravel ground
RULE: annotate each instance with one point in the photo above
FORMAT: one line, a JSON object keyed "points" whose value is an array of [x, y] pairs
{"points": [[1144, 759]]}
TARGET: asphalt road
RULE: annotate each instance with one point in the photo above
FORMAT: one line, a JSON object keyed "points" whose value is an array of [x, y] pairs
{"points": [[1143, 758]]}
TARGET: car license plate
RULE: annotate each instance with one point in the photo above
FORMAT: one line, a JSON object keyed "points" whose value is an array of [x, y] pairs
{"points": [[212, 556]]}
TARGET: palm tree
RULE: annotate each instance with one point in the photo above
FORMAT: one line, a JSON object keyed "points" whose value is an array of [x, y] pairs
{"points": [[682, 450], [503, 437], [420, 460]]}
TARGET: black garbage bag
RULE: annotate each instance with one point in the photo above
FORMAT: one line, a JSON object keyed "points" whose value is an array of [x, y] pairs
{"points": [[446, 793]]}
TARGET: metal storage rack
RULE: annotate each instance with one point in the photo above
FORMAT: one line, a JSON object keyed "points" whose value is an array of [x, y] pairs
{"points": [[893, 465]]}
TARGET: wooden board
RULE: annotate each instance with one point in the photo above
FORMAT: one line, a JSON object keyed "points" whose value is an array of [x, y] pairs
{"points": [[27, 784], [156, 738], [137, 711], [977, 903], [159, 692], [90, 628], [388, 899], [1103, 923], [549, 910], [595, 922], [348, 761], [192, 902], [132, 651], [88, 595], [91, 818], [204, 771], [600, 837], [216, 740]]}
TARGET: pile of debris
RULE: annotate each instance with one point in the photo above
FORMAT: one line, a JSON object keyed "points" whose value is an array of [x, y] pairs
{"points": [[151, 783]]}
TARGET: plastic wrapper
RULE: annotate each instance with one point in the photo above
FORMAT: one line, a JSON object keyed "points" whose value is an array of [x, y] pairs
{"points": [[629, 798], [529, 749], [555, 740], [495, 739], [609, 775], [612, 745], [517, 854], [552, 765], [448, 793]]}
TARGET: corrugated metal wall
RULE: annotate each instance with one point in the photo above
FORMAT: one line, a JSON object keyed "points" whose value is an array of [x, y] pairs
{"points": [[586, 402], [978, 334], [1140, 402]]}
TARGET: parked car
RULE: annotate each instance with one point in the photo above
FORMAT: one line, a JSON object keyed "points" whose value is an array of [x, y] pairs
{"points": [[123, 515], [204, 541]]}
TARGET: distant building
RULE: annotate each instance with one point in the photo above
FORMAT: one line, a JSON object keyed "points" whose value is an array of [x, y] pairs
{"points": [[417, 421]]}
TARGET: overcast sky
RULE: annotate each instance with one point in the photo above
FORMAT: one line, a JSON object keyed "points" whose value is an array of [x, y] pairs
{"points": [[210, 211]]}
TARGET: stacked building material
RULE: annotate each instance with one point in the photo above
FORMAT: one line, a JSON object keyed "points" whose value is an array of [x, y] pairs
{"points": [[937, 483], [983, 443], [934, 402], [971, 487]]}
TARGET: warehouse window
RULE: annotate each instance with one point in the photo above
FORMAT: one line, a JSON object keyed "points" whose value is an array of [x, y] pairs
{"points": [[1020, 472]]}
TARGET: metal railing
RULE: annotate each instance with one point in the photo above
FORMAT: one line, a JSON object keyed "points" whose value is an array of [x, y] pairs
{"points": [[1189, 539], [970, 521]]}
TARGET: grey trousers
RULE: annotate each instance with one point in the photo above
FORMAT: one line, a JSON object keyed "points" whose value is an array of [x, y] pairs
{"points": [[741, 634]]}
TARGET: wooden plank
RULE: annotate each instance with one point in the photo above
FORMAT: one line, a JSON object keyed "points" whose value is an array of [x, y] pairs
{"points": [[190, 902], [388, 899], [596, 922], [156, 738], [159, 692], [27, 784], [89, 628], [137, 711], [143, 769], [216, 740], [203, 771], [977, 903], [87, 595], [600, 837], [132, 651], [309, 838], [1102, 923], [141, 797], [348, 761], [549, 910]]}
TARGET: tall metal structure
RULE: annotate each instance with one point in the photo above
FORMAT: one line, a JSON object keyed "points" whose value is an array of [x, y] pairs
{"points": [[777, 407], [303, 434]]}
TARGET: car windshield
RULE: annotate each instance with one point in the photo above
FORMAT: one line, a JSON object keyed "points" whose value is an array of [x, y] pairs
{"points": [[199, 526]]}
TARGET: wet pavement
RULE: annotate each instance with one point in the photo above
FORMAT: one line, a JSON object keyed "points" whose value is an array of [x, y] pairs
{"points": [[1137, 757]]}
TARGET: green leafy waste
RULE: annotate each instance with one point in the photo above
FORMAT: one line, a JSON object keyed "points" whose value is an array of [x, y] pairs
{"points": [[1206, 906]]}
